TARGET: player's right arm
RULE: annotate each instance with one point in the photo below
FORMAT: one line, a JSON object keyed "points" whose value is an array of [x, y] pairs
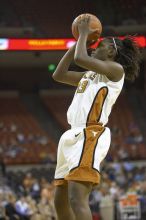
{"points": [[62, 74]]}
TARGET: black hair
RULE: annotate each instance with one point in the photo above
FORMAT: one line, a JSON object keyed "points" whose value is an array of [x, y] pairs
{"points": [[128, 55]]}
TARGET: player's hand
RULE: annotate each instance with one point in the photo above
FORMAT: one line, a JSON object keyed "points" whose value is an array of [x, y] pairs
{"points": [[83, 26]]}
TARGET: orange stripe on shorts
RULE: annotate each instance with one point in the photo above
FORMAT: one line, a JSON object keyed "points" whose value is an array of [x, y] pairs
{"points": [[85, 170]]}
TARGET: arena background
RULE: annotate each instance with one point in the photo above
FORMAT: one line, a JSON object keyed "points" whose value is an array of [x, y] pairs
{"points": [[34, 35]]}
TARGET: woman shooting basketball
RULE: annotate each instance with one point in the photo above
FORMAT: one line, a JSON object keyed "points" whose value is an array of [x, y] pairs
{"points": [[82, 148]]}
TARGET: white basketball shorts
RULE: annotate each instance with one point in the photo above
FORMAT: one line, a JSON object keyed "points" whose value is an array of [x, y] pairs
{"points": [[80, 152]]}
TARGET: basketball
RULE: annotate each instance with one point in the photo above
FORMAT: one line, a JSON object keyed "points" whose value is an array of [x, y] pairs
{"points": [[94, 23]]}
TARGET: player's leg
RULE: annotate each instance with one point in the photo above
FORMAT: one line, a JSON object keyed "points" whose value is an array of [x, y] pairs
{"points": [[62, 204], [79, 199]]}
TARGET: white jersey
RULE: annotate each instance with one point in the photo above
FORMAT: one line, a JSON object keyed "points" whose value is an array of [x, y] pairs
{"points": [[93, 100], [82, 148]]}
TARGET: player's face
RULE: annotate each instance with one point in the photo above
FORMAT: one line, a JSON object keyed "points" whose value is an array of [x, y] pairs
{"points": [[101, 52]]}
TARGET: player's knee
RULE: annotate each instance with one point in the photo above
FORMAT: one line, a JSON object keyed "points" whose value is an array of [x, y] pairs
{"points": [[76, 203]]}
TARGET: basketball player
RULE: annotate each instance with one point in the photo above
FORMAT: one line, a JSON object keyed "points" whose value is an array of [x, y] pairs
{"points": [[82, 148]]}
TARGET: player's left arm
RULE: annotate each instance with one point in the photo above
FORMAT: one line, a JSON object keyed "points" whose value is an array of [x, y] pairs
{"points": [[113, 70]]}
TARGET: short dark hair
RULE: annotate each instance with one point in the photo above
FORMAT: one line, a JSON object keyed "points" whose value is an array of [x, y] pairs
{"points": [[128, 55]]}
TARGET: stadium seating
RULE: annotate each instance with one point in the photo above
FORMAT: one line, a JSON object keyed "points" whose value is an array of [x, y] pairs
{"points": [[122, 116], [57, 107], [45, 17], [21, 137]]}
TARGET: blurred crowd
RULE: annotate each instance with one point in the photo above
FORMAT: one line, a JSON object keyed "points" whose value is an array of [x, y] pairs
{"points": [[29, 197], [127, 147], [15, 143], [32, 200], [118, 181]]}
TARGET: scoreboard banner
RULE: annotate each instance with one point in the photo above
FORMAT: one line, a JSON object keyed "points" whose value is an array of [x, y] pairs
{"points": [[48, 44]]}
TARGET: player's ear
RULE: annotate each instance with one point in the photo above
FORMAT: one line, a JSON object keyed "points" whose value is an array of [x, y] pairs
{"points": [[111, 52]]}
